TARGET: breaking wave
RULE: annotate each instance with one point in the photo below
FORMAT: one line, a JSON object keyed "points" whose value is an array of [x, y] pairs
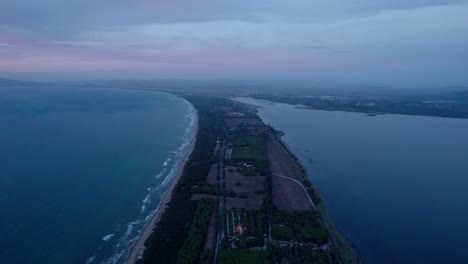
{"points": [[154, 193]]}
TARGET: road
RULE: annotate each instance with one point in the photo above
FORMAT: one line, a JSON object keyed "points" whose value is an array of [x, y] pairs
{"points": [[332, 239], [220, 203], [298, 182]]}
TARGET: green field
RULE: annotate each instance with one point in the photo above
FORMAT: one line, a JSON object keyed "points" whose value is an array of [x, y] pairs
{"points": [[243, 256], [248, 147]]}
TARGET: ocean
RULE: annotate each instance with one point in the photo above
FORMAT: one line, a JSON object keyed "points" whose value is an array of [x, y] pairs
{"points": [[394, 185], [82, 170]]}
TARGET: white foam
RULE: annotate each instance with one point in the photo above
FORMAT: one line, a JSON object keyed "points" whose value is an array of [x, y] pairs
{"points": [[130, 227], [166, 162], [91, 260], [161, 173], [129, 237], [169, 176], [108, 237], [145, 202]]}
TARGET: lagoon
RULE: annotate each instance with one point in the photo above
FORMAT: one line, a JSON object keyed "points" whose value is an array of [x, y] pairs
{"points": [[394, 185]]}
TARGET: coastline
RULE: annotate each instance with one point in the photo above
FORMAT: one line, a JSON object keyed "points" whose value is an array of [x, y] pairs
{"points": [[138, 247], [347, 251]]}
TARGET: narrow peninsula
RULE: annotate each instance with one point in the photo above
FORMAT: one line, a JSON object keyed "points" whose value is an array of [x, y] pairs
{"points": [[242, 197]]}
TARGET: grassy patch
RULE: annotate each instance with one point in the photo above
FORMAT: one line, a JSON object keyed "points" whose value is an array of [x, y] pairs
{"points": [[206, 188], [251, 149], [281, 232], [314, 234]]}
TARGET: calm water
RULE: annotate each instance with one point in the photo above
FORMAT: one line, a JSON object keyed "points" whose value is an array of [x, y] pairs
{"points": [[396, 186], [81, 169]]}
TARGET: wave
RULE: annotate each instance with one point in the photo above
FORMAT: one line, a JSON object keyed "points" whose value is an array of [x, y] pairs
{"points": [[167, 162], [107, 237], [174, 161]]}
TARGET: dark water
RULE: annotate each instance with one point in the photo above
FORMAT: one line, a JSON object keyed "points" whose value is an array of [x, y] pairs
{"points": [[81, 169], [396, 186]]}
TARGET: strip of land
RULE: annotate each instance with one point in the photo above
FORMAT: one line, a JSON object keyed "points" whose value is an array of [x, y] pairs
{"points": [[243, 198]]}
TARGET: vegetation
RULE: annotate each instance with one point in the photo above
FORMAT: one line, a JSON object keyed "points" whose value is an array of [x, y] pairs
{"points": [[455, 104], [191, 249], [344, 249], [232, 194], [179, 235], [243, 256], [302, 226], [251, 149], [311, 190], [206, 188], [279, 232], [301, 254], [207, 257], [314, 234], [172, 230]]}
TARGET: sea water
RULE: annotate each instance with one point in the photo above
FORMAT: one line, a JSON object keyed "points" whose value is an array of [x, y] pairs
{"points": [[394, 185], [82, 170]]}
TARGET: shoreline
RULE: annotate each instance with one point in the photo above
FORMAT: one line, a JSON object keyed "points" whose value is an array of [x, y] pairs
{"points": [[347, 251], [136, 251], [344, 245]]}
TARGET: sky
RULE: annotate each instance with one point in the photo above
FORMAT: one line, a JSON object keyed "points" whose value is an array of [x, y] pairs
{"points": [[418, 43]]}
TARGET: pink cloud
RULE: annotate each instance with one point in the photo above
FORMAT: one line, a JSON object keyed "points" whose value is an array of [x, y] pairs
{"points": [[8, 39], [53, 57]]}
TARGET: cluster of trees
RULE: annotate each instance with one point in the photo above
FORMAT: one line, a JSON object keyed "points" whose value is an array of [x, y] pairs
{"points": [[311, 190], [315, 234], [302, 226], [402, 104], [193, 244], [296, 219], [255, 223], [301, 254], [250, 148], [244, 256], [253, 235], [280, 232], [206, 257], [206, 188]]}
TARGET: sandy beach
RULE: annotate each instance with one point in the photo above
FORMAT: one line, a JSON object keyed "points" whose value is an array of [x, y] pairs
{"points": [[136, 252]]}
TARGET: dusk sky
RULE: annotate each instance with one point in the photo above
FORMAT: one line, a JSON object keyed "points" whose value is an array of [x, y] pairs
{"points": [[394, 42]]}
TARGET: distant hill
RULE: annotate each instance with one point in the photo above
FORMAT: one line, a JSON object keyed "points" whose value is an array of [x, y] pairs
{"points": [[11, 82], [458, 96], [463, 94]]}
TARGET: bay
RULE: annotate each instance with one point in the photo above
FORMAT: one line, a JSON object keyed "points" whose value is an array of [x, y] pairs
{"points": [[81, 170]]}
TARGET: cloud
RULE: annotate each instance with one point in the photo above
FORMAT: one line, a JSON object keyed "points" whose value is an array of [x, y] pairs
{"points": [[58, 18], [308, 38]]}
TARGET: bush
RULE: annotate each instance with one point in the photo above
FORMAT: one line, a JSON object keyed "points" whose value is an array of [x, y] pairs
{"points": [[243, 256], [206, 257], [243, 195], [191, 249], [281, 232], [317, 235]]}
